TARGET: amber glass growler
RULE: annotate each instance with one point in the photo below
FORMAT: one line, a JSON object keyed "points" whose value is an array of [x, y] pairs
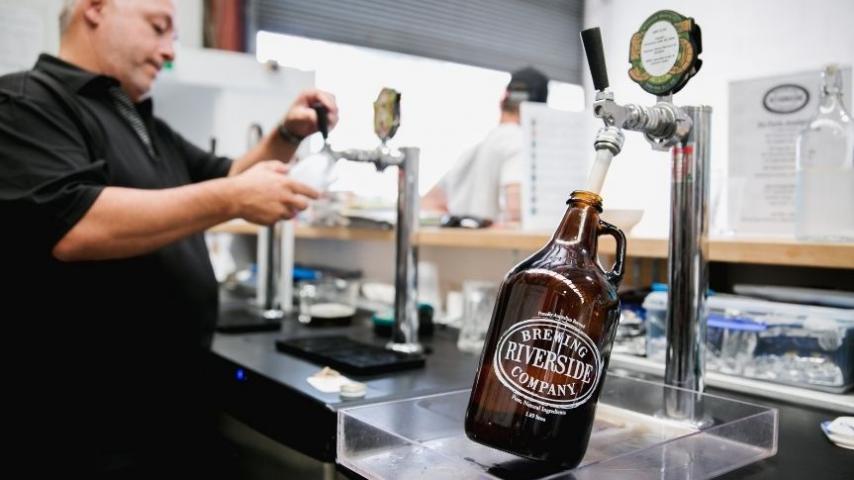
{"points": [[548, 345]]}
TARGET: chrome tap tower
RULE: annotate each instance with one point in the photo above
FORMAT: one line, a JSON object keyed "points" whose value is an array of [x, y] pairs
{"points": [[386, 121], [664, 55], [269, 298]]}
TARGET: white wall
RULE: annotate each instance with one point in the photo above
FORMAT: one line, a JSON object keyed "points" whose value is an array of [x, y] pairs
{"points": [[445, 107], [190, 16], [27, 28], [218, 93], [741, 39]]}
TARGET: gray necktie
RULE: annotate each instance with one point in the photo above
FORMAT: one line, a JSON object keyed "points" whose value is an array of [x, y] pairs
{"points": [[128, 112]]}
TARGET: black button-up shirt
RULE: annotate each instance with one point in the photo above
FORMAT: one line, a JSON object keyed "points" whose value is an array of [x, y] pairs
{"points": [[118, 339]]}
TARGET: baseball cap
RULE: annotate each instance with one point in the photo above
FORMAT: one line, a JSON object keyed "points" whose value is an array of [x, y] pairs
{"points": [[528, 85]]}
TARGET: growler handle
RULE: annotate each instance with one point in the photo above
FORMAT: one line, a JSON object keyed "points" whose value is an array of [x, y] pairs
{"points": [[615, 276]]}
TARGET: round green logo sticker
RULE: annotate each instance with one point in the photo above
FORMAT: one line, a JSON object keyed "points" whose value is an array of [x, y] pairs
{"points": [[663, 53]]}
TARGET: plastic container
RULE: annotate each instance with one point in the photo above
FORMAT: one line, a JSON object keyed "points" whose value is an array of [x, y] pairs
{"points": [[792, 344], [327, 299], [423, 438], [315, 170]]}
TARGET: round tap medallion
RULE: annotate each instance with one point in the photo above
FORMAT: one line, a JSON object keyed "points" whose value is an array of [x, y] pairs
{"points": [[664, 52]]}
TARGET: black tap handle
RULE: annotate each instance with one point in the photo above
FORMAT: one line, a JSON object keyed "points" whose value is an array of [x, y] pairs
{"points": [[322, 118], [592, 40]]}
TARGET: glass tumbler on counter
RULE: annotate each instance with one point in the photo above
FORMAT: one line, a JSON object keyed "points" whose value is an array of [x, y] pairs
{"points": [[327, 299], [478, 302]]}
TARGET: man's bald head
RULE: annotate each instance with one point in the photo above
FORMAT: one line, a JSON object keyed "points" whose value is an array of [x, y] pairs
{"points": [[125, 39]]}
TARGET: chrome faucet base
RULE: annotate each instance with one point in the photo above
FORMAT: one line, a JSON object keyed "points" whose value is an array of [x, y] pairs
{"points": [[273, 314], [685, 131], [408, 348]]}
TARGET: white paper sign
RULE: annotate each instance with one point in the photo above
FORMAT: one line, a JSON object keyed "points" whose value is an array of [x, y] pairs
{"points": [[766, 115], [558, 150]]}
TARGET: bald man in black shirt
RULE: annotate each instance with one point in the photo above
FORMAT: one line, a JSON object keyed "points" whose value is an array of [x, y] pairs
{"points": [[113, 301]]}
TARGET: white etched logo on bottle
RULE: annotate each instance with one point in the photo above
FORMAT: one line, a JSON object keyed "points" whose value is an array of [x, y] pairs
{"points": [[548, 362]]}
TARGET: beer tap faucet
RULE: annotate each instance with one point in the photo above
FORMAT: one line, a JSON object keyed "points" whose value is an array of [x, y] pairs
{"points": [[663, 125], [663, 55], [386, 121]]}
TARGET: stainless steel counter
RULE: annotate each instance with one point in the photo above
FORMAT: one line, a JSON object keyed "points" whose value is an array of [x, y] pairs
{"points": [[268, 391]]}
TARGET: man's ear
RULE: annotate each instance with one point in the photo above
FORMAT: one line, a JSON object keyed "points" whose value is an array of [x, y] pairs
{"points": [[93, 11], [505, 100]]}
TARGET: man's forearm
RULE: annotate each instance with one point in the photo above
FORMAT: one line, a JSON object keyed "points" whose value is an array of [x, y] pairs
{"points": [[435, 200], [271, 147], [125, 222]]}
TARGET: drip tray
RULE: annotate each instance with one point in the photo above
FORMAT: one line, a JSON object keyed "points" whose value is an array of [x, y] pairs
{"points": [[347, 355], [423, 438]]}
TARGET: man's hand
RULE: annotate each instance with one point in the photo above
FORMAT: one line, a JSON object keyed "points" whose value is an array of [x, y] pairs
{"points": [[264, 194], [301, 119]]}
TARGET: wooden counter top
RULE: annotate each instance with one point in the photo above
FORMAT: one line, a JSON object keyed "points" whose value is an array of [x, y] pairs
{"points": [[766, 251]]}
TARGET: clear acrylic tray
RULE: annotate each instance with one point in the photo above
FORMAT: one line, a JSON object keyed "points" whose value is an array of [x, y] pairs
{"points": [[423, 438]]}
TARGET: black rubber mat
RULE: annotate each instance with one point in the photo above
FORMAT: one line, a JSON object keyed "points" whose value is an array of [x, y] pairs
{"points": [[348, 356]]}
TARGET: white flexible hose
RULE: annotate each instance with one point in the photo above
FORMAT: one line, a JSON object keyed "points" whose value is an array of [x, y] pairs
{"points": [[600, 168]]}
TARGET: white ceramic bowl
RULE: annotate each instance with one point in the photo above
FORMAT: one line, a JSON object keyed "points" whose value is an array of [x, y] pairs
{"points": [[625, 220]]}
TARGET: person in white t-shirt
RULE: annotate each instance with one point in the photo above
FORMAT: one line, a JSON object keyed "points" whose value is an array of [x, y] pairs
{"points": [[486, 180]]}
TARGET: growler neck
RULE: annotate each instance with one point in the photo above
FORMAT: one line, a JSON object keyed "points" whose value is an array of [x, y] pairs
{"points": [[580, 224], [831, 99], [832, 102]]}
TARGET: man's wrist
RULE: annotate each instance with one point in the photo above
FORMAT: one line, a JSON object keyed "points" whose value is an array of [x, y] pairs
{"points": [[289, 136], [226, 194]]}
